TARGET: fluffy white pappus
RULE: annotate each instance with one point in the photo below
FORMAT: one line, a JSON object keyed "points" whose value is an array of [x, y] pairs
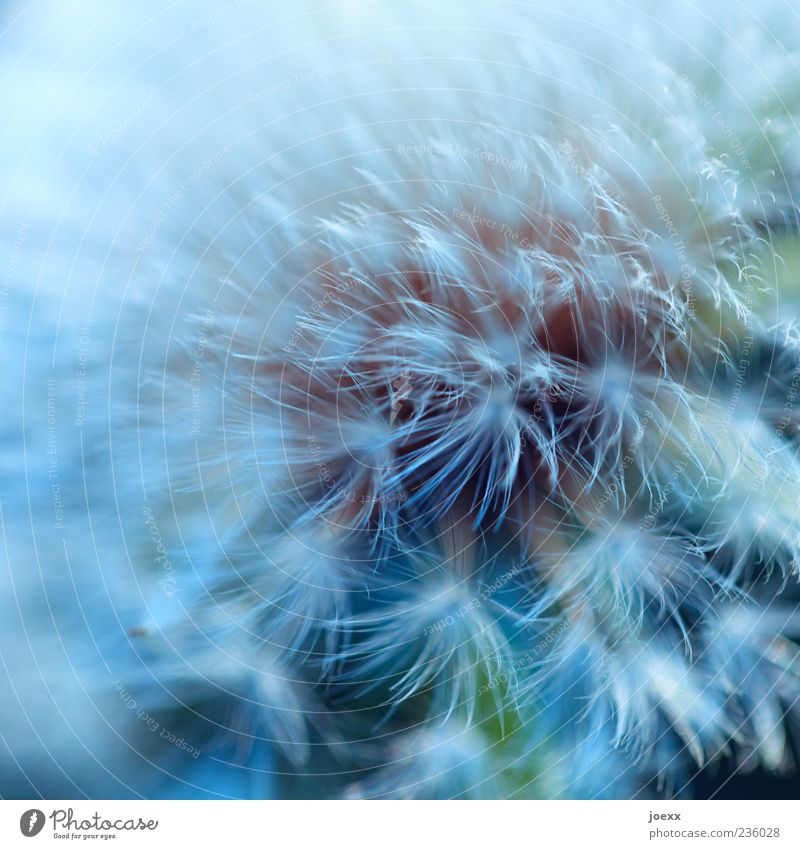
{"points": [[338, 450], [747, 507], [210, 658], [451, 761], [696, 239], [588, 218], [774, 382], [545, 755], [738, 110], [293, 590], [748, 106], [628, 576], [440, 630], [659, 702], [749, 656], [638, 438], [458, 383], [553, 754], [624, 402]]}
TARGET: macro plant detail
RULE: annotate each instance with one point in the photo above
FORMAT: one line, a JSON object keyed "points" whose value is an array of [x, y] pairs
{"points": [[420, 402]]}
